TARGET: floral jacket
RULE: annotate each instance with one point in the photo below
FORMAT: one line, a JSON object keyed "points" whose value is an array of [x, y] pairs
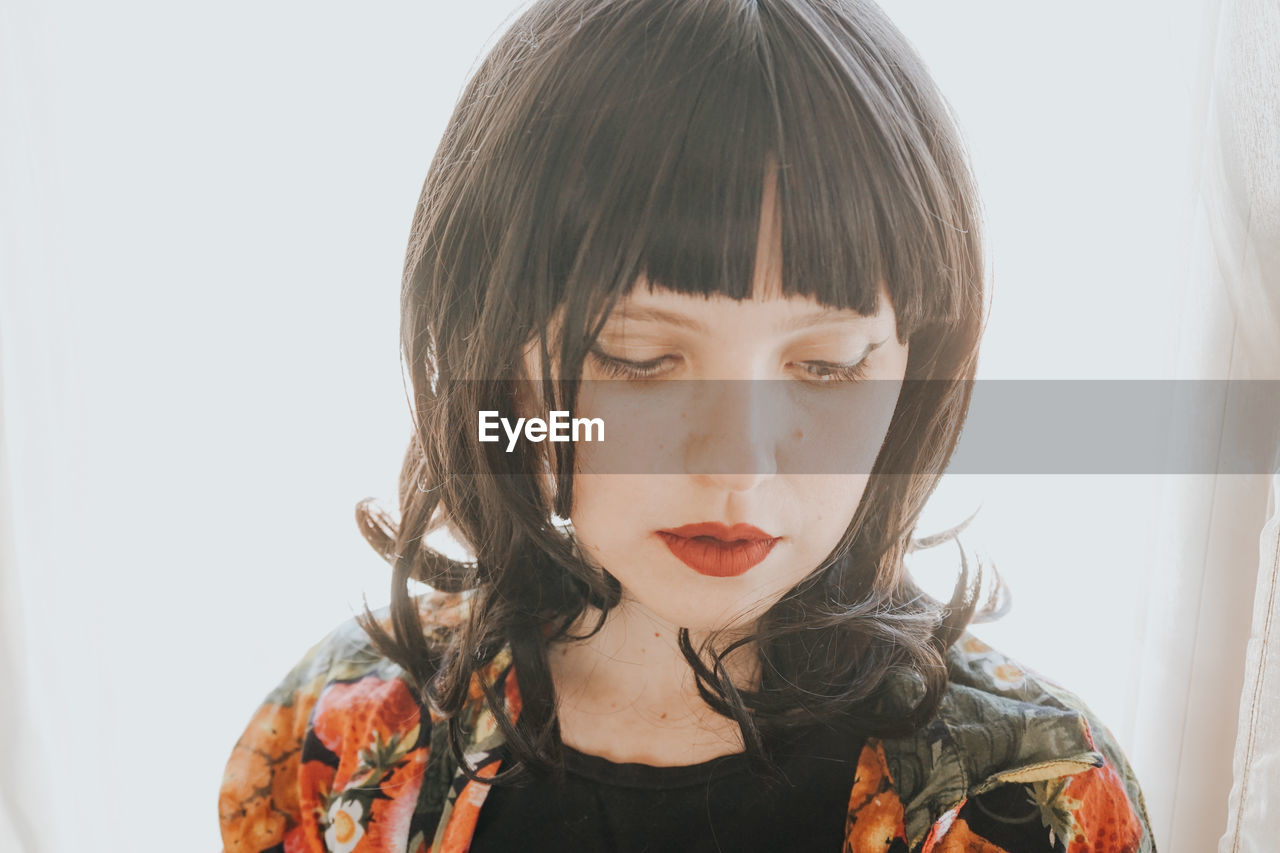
{"points": [[341, 757]]}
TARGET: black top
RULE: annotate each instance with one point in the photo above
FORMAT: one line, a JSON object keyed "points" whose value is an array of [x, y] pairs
{"points": [[718, 805]]}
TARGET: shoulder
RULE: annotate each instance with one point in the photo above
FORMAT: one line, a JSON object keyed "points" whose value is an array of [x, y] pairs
{"points": [[340, 742], [1008, 740]]}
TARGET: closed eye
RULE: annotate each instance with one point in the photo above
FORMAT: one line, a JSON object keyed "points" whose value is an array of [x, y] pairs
{"points": [[818, 372], [621, 368], [825, 371]]}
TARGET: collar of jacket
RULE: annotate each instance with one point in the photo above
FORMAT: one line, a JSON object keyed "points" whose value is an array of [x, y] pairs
{"points": [[998, 723]]}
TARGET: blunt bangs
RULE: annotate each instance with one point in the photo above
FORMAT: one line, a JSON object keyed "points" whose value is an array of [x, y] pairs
{"points": [[662, 173]]}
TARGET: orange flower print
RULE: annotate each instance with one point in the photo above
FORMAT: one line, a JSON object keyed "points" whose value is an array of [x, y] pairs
{"points": [[370, 725], [1004, 674], [371, 729], [875, 819], [315, 781], [391, 813], [488, 674], [1104, 821], [345, 828], [259, 786], [462, 820]]}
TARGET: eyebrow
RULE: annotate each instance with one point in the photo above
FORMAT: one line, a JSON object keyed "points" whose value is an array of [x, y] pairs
{"points": [[826, 316]]}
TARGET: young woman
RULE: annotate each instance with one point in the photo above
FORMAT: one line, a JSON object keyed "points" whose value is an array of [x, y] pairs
{"points": [[697, 633]]}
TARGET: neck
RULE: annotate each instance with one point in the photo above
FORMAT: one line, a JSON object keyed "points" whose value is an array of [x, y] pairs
{"points": [[628, 693]]}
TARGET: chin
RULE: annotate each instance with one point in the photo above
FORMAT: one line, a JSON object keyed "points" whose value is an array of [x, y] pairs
{"points": [[704, 614]]}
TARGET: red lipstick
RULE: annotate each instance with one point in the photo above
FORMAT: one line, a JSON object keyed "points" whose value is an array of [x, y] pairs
{"points": [[718, 550]]}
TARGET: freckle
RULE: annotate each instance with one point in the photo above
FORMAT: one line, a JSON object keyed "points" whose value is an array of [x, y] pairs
{"points": [[664, 715], [613, 704]]}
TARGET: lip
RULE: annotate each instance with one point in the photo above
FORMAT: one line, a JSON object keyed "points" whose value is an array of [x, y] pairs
{"points": [[718, 550]]}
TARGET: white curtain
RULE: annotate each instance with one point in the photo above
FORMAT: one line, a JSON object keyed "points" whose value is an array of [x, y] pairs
{"points": [[1204, 577], [1253, 822], [23, 777], [1242, 194]]}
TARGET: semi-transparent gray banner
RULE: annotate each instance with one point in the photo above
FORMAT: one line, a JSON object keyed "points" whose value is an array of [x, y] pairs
{"points": [[803, 427]]}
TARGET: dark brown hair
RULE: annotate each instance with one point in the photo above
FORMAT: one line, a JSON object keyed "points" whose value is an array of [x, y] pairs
{"points": [[600, 140]]}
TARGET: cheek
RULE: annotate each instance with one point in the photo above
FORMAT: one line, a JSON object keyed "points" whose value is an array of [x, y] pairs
{"points": [[823, 506], [603, 507], [830, 500]]}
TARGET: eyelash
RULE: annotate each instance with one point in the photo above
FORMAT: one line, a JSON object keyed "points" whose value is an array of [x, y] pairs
{"points": [[620, 368]]}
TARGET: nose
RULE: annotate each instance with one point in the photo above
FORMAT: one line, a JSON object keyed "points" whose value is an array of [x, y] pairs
{"points": [[733, 433]]}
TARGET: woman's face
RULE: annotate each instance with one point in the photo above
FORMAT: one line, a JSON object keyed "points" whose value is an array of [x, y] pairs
{"points": [[732, 413]]}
